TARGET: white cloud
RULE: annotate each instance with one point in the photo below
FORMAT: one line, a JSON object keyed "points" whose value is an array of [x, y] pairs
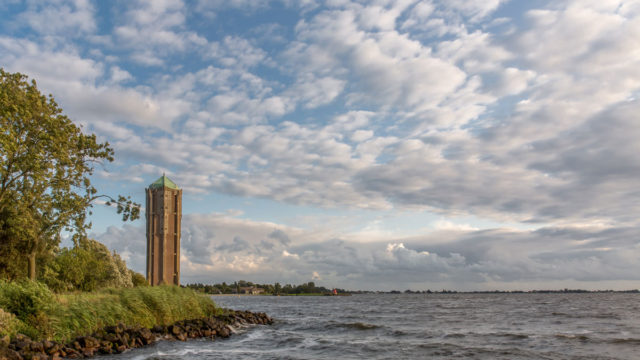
{"points": [[59, 17], [235, 51], [217, 247], [446, 225], [152, 30], [388, 69], [312, 92]]}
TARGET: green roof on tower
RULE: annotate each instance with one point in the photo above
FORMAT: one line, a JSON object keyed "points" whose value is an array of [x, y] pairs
{"points": [[163, 181]]}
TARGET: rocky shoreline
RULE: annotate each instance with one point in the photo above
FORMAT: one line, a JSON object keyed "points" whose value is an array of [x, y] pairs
{"points": [[116, 339]]}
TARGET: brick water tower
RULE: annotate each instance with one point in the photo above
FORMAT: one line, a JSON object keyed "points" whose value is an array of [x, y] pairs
{"points": [[164, 215]]}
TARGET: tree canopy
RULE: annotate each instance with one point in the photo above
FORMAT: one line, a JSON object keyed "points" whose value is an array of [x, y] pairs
{"points": [[45, 166]]}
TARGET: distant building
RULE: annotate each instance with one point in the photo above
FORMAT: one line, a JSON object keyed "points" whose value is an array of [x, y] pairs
{"points": [[251, 290], [164, 216]]}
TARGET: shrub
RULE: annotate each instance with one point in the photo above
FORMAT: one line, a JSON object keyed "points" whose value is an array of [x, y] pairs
{"points": [[138, 279], [25, 298], [31, 303], [88, 266], [9, 324]]}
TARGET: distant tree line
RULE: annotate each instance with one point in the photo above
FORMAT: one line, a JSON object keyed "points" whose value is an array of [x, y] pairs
{"points": [[268, 289]]}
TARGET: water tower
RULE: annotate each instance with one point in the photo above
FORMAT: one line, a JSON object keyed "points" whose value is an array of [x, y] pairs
{"points": [[164, 215]]}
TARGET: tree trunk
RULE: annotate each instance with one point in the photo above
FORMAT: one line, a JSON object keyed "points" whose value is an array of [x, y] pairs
{"points": [[32, 265]]}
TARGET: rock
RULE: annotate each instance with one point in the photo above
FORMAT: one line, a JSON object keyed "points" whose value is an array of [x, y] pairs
{"points": [[55, 348], [76, 345], [88, 352], [46, 345], [110, 337], [175, 330], [37, 347], [5, 341], [72, 354], [99, 334], [21, 345], [223, 332], [159, 329], [9, 354], [147, 336], [122, 339], [88, 341], [105, 349]]}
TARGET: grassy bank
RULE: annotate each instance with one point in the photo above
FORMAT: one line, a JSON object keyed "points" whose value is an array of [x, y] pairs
{"points": [[32, 309]]}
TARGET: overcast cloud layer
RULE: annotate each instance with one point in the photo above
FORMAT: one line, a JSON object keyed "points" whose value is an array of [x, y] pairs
{"points": [[460, 144]]}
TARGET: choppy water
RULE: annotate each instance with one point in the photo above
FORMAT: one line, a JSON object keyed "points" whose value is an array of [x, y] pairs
{"points": [[432, 326]]}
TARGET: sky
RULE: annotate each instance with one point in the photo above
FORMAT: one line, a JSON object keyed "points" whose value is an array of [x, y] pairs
{"points": [[375, 145]]}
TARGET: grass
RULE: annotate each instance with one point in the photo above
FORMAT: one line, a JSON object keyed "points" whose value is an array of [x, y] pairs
{"points": [[63, 317]]}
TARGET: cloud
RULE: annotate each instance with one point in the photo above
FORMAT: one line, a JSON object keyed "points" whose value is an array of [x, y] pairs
{"points": [[312, 92], [387, 69], [218, 247], [153, 30], [86, 87], [235, 51], [58, 18]]}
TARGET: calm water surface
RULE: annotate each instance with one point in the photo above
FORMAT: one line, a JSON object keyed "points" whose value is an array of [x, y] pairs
{"points": [[424, 326]]}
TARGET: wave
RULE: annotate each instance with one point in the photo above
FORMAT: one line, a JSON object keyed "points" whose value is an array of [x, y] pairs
{"points": [[630, 341], [355, 326], [455, 335], [585, 338], [586, 316], [514, 336], [580, 337], [361, 326]]}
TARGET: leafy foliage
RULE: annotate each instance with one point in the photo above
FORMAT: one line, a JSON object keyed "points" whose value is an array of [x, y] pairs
{"points": [[138, 279], [9, 324], [25, 298], [29, 302], [94, 267]]}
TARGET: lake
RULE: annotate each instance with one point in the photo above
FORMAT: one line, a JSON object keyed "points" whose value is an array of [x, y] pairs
{"points": [[418, 326]]}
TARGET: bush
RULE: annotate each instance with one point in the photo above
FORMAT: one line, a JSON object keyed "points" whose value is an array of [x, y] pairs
{"points": [[31, 303], [138, 279], [25, 298], [9, 324], [87, 267]]}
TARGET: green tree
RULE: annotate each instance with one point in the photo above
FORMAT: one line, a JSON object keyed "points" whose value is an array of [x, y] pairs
{"points": [[45, 165]]}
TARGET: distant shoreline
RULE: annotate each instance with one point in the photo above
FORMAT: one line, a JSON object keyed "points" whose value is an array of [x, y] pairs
{"points": [[566, 291], [283, 295]]}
